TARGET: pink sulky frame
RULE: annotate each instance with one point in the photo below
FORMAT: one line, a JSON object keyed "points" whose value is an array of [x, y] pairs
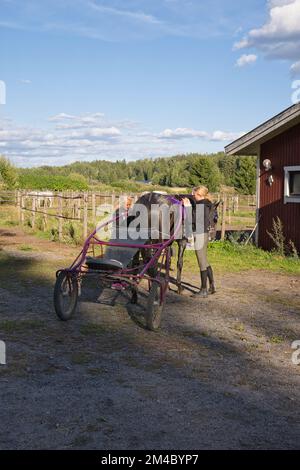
{"points": [[129, 276]]}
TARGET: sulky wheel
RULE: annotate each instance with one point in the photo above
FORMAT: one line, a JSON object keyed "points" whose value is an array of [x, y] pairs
{"points": [[154, 308], [65, 295]]}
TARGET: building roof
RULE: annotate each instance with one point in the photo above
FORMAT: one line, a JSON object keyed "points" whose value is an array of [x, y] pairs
{"points": [[249, 143]]}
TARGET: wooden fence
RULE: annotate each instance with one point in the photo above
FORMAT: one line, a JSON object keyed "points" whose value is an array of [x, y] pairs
{"points": [[81, 207]]}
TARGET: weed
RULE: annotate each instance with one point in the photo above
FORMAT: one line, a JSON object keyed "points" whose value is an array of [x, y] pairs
{"points": [[26, 248]]}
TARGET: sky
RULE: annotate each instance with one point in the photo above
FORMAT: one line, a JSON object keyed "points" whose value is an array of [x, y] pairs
{"points": [[127, 79]]}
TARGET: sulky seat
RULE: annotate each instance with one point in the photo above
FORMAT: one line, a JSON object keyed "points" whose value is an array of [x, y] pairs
{"points": [[103, 264]]}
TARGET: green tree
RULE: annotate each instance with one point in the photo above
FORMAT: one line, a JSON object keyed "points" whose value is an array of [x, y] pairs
{"points": [[245, 175], [204, 170], [8, 173], [77, 177], [227, 165]]}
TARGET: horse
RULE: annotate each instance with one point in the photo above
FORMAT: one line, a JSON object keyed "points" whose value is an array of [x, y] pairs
{"points": [[155, 199], [43, 198]]}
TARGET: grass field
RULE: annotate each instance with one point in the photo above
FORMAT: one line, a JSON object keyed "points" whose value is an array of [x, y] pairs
{"points": [[224, 256]]}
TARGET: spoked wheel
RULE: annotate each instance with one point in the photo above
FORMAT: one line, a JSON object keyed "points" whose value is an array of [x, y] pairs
{"points": [[65, 295], [154, 307], [134, 296]]}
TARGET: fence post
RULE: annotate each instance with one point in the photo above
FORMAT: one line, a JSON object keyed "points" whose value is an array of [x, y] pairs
{"points": [[33, 209], [94, 208], [79, 205], [85, 215], [22, 210], [60, 220], [223, 228], [19, 206]]}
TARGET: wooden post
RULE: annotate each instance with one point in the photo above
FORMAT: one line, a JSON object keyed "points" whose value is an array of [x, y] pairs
{"points": [[22, 210], [19, 206], [34, 200], [223, 228], [60, 220], [94, 208], [229, 214], [45, 221], [85, 215], [73, 205], [79, 205], [45, 218]]}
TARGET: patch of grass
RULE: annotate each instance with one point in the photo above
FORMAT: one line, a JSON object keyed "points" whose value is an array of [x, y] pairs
{"points": [[80, 358], [10, 223], [230, 257], [26, 248], [92, 329], [95, 371], [276, 339], [286, 301], [24, 276], [241, 213], [15, 326], [91, 428], [239, 327], [8, 215], [80, 441]]}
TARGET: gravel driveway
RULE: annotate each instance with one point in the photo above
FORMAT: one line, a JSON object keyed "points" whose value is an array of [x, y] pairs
{"points": [[218, 375]]}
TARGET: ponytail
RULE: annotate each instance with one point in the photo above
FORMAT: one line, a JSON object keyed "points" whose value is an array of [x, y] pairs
{"points": [[204, 192]]}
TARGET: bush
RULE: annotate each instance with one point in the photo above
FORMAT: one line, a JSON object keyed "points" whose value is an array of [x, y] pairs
{"points": [[8, 174], [34, 179]]}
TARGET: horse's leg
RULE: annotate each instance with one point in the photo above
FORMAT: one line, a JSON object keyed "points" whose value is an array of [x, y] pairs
{"points": [[181, 249]]}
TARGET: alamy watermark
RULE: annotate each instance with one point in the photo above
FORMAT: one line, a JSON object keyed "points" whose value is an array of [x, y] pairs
{"points": [[2, 92], [296, 354], [2, 353], [159, 221]]}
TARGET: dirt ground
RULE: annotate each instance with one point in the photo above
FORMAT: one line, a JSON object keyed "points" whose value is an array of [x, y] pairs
{"points": [[218, 375]]}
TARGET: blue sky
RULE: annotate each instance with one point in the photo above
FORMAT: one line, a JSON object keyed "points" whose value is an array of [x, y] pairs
{"points": [[114, 79]]}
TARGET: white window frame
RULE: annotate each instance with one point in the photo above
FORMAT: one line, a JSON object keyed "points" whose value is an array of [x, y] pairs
{"points": [[287, 197]]}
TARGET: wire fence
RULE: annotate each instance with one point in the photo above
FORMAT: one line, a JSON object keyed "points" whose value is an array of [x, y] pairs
{"points": [[236, 211]]}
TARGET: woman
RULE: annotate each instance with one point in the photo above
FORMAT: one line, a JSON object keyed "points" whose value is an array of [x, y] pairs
{"points": [[201, 227]]}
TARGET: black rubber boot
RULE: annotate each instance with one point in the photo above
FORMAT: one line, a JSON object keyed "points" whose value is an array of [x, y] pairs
{"points": [[210, 276], [203, 290]]}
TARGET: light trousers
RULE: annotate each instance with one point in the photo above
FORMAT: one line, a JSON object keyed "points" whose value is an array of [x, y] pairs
{"points": [[201, 244]]}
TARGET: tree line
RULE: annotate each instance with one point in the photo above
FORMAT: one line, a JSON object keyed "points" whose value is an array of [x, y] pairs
{"points": [[211, 170]]}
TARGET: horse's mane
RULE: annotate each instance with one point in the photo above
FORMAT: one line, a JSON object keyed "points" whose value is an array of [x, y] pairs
{"points": [[158, 198]]}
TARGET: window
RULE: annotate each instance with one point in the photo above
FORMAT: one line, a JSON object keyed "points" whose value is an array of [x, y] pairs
{"points": [[292, 184]]}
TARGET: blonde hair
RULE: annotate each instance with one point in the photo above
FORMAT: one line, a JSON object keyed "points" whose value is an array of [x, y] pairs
{"points": [[203, 190]]}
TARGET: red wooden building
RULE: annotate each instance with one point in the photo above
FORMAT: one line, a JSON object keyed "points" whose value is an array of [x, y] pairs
{"points": [[277, 146]]}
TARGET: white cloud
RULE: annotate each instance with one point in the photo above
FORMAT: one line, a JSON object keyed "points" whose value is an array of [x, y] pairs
{"points": [[25, 81], [295, 69], [181, 133], [246, 59], [184, 133], [91, 136], [221, 136], [137, 16], [61, 117], [279, 37]]}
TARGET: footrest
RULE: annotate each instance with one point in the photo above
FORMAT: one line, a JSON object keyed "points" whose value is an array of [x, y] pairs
{"points": [[102, 264]]}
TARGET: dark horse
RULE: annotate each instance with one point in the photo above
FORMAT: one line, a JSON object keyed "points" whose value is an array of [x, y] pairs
{"points": [[155, 200]]}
